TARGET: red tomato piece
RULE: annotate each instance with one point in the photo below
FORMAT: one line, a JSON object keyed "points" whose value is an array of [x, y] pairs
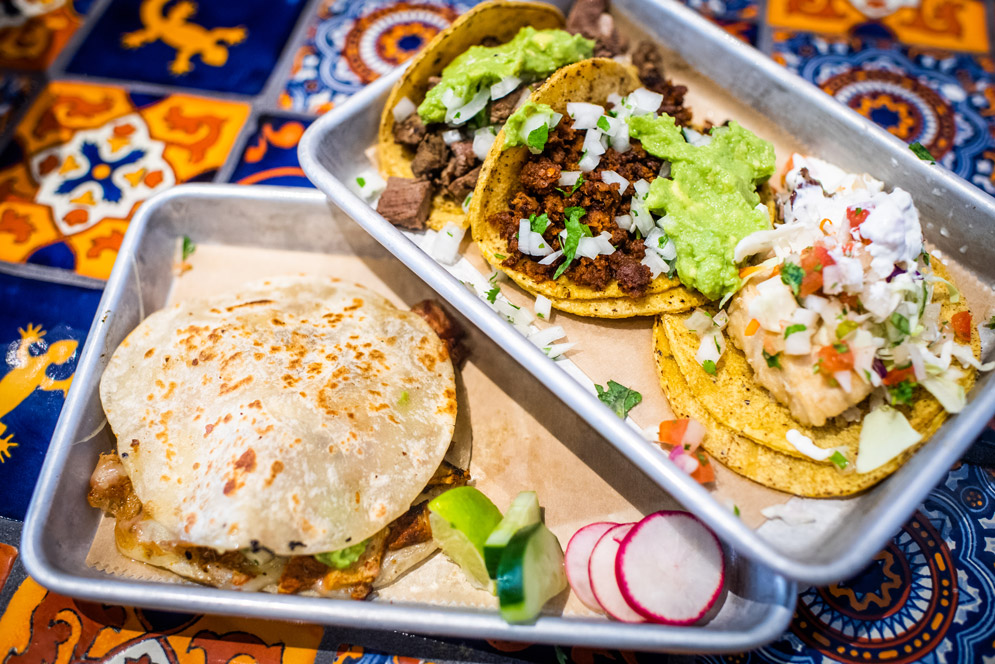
{"points": [[672, 431], [705, 472], [812, 261], [961, 323], [856, 216], [831, 359], [896, 376]]}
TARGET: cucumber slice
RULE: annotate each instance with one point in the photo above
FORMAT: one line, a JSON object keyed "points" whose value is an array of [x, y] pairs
{"points": [[530, 573], [524, 511]]}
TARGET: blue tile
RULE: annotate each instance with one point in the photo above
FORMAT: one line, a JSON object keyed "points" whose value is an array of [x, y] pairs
{"points": [[270, 155]]}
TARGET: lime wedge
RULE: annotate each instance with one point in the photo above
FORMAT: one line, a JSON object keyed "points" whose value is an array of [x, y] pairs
{"points": [[461, 520], [524, 511]]}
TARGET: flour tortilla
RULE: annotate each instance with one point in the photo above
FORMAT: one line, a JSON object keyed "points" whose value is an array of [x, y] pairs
{"points": [[747, 426], [500, 20], [587, 81], [302, 414]]}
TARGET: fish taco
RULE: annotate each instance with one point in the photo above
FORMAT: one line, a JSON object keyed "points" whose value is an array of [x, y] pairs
{"points": [[845, 349], [601, 196]]}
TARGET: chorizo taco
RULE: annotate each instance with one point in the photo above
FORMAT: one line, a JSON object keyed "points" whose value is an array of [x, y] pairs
{"points": [[845, 350], [599, 195], [283, 437], [444, 113]]}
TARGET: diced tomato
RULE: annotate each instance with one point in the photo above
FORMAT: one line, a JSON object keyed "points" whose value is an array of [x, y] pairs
{"points": [[961, 323], [672, 431], [812, 261], [856, 216], [837, 357], [705, 472], [896, 376]]}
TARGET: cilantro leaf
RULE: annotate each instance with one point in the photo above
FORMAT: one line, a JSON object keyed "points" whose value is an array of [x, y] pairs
{"points": [[925, 256], [537, 138], [188, 247], [361, 182], [920, 151], [709, 367], [773, 361], [838, 459], [539, 223], [603, 124], [902, 393], [792, 275], [991, 323], [619, 398], [575, 231], [735, 510], [580, 181], [492, 294], [791, 329]]}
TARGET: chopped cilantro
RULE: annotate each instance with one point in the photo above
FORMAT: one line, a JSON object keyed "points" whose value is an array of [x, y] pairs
{"points": [[603, 124], [817, 367], [920, 150], [991, 323], [188, 247], [539, 223], [561, 656], [735, 510], [575, 231], [577, 184], [924, 256], [619, 398], [792, 275], [466, 201], [791, 329], [839, 460], [492, 294], [902, 393], [845, 328], [709, 367], [841, 348], [361, 182], [500, 257], [537, 138], [773, 361], [900, 322]]}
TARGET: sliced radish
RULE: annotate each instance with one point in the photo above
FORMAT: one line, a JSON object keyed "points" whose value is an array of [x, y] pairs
{"points": [[604, 583], [670, 568], [578, 555]]}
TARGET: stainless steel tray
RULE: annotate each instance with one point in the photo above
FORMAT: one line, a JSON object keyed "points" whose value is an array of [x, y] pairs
{"points": [[956, 216], [60, 525]]}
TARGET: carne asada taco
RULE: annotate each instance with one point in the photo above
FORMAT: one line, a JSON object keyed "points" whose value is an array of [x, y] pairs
{"points": [[277, 438], [444, 113], [849, 343], [598, 195]]}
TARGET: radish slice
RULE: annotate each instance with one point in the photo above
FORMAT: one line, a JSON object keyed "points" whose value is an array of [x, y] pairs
{"points": [[578, 555], [670, 568], [604, 583]]}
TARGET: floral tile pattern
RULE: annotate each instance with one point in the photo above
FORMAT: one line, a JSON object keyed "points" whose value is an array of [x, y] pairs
{"points": [[33, 32], [350, 44], [270, 156], [85, 156]]}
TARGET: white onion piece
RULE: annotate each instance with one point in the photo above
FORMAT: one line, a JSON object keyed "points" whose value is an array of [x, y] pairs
{"points": [[721, 319], [668, 251], [445, 248], [699, 322], [592, 247], [543, 307], [505, 86], [452, 136], [585, 116], [556, 350], [533, 122], [624, 222], [655, 264], [643, 101], [641, 218], [483, 139], [798, 343], [843, 378], [594, 142], [568, 178], [468, 111], [589, 162], [611, 177], [403, 109], [695, 138], [693, 435], [642, 187], [711, 347], [549, 260], [547, 336], [369, 184]]}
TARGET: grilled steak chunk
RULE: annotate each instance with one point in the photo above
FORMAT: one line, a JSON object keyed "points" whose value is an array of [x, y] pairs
{"points": [[431, 157], [405, 202], [410, 132]]}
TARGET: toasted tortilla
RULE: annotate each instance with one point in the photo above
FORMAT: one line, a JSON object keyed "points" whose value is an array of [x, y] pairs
{"points": [[747, 426], [587, 81], [501, 20], [301, 414]]}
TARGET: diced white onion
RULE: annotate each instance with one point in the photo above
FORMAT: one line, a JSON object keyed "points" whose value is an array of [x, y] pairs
{"points": [[547, 336], [798, 343], [695, 138], [711, 347], [624, 222], [594, 142], [445, 247], [403, 109], [664, 170], [641, 217], [543, 307], [530, 242], [655, 264], [589, 162], [568, 178], [505, 86], [556, 350], [592, 247], [533, 122], [369, 184], [451, 136], [468, 111], [548, 260], [843, 378], [699, 322], [642, 187], [585, 116], [611, 177], [643, 101], [483, 139], [721, 319]]}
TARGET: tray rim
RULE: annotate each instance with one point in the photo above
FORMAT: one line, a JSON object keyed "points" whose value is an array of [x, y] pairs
{"points": [[475, 623], [959, 432]]}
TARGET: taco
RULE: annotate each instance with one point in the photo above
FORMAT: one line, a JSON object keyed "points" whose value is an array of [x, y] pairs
{"points": [[283, 437], [848, 345], [599, 195], [444, 113]]}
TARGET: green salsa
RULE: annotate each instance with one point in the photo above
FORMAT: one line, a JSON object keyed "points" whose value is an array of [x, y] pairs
{"points": [[342, 558], [710, 201], [531, 55]]}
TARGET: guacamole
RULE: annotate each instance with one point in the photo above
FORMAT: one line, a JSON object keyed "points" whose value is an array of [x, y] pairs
{"points": [[513, 127], [710, 201], [531, 55]]}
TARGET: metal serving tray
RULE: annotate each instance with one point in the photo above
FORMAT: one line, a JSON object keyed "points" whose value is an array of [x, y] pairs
{"points": [[955, 215], [60, 526]]}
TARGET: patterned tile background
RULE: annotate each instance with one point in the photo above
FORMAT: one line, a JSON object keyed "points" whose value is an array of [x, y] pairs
{"points": [[104, 103]]}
